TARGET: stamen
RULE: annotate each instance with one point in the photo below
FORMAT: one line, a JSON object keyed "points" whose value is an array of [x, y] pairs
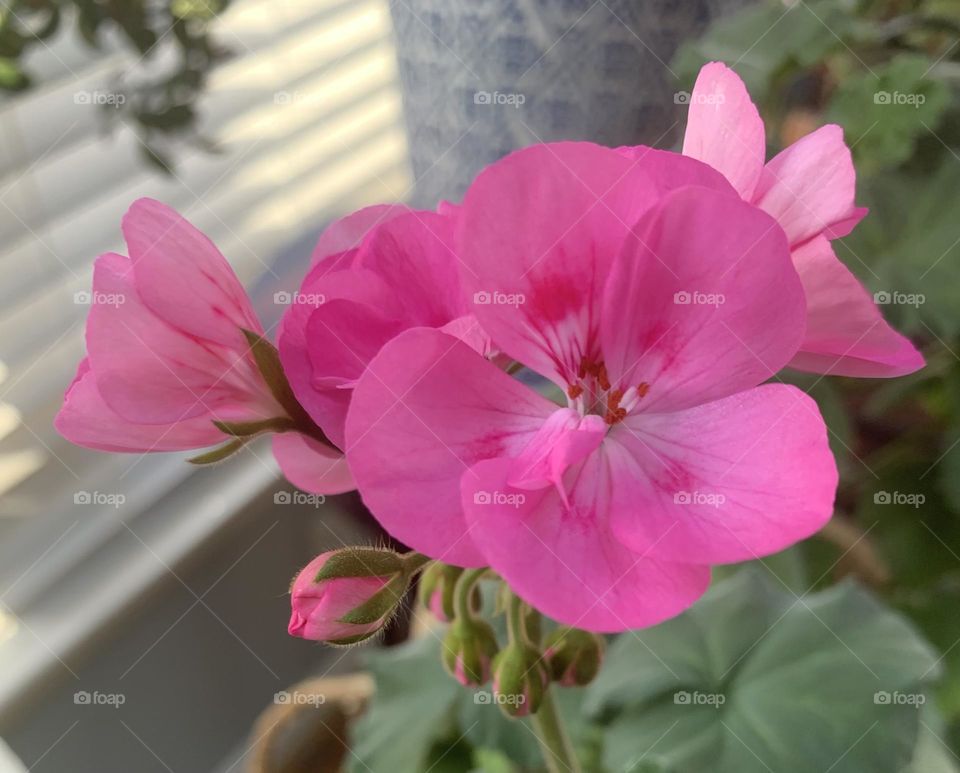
{"points": [[602, 378], [574, 390]]}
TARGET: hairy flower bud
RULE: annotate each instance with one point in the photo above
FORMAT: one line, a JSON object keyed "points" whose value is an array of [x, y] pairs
{"points": [[468, 649], [519, 679], [346, 596], [436, 589], [573, 656]]}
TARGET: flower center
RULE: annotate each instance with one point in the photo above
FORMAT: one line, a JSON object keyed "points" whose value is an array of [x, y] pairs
{"points": [[592, 392]]}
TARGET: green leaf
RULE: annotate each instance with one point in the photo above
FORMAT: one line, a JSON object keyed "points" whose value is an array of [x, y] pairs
{"points": [[764, 38], [885, 110], [755, 678], [12, 77], [409, 711]]}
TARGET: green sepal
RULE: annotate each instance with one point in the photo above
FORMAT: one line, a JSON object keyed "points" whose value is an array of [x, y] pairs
{"points": [[444, 577], [219, 454], [350, 640], [267, 358], [520, 678], [380, 605], [573, 656], [474, 643], [360, 562], [251, 428]]}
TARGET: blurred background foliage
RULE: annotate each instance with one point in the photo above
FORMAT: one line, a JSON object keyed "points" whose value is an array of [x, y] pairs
{"points": [[159, 103]]}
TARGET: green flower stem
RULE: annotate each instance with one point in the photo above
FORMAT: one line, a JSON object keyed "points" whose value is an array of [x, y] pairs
{"points": [[463, 591], [557, 750], [554, 742]]}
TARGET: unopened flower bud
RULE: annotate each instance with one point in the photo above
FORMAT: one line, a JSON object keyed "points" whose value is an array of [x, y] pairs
{"points": [[468, 650], [436, 591], [346, 596], [519, 679], [572, 656]]}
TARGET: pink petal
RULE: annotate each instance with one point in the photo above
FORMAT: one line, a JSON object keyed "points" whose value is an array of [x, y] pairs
{"points": [[724, 128], [809, 187], [564, 439], [182, 277], [152, 373], [538, 233], [341, 338], [426, 409], [413, 255], [564, 560], [319, 289], [311, 466], [846, 334], [85, 419], [732, 480], [702, 303], [347, 232]]}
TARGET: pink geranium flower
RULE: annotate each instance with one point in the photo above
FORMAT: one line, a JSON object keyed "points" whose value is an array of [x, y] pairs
{"points": [[809, 188], [656, 300], [375, 273], [166, 352]]}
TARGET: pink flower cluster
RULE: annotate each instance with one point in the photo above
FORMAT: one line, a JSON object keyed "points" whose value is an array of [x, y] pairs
{"points": [[562, 378]]}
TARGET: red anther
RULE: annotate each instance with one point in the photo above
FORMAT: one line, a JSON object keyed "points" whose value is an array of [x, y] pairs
{"points": [[616, 415], [574, 390], [643, 388], [602, 377], [614, 398]]}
